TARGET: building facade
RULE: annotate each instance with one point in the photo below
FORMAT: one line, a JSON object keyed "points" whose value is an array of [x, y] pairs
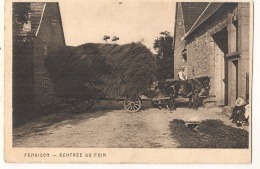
{"points": [[215, 42], [32, 41]]}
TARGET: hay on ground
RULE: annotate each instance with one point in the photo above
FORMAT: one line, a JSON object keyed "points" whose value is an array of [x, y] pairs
{"points": [[209, 134]]}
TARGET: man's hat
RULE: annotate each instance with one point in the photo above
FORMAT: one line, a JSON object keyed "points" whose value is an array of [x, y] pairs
{"points": [[182, 67]]}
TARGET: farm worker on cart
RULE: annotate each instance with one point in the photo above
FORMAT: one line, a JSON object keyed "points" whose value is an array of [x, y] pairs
{"points": [[183, 79]]}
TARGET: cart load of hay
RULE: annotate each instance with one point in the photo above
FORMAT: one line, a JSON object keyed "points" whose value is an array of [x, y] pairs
{"points": [[101, 70]]}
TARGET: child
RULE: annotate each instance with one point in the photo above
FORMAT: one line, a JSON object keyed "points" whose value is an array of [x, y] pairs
{"points": [[238, 116]]}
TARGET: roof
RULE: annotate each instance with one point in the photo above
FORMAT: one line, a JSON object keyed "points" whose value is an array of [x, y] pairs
{"points": [[209, 11], [36, 10], [191, 11]]}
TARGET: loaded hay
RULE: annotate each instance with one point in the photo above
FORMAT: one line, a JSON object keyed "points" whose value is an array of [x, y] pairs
{"points": [[101, 70]]}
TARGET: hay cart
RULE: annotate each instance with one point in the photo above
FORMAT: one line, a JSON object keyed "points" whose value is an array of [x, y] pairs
{"points": [[83, 104], [130, 104], [158, 97]]}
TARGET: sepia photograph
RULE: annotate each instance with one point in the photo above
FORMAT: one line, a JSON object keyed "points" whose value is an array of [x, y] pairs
{"points": [[129, 81]]}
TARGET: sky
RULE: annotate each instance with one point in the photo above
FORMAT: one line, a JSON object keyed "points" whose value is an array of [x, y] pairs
{"points": [[131, 21]]}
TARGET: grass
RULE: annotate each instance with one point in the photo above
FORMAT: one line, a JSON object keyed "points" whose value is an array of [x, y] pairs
{"points": [[209, 134]]}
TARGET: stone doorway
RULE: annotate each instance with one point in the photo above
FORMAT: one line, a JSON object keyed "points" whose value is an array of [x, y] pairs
{"points": [[221, 66]]}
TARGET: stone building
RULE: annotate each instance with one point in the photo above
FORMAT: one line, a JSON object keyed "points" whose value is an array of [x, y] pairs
{"points": [[32, 41], [213, 39]]}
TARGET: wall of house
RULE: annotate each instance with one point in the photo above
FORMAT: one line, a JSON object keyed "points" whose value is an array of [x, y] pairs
{"points": [[243, 48], [49, 38], [197, 54], [22, 81], [179, 45], [209, 47], [206, 56], [199, 46]]}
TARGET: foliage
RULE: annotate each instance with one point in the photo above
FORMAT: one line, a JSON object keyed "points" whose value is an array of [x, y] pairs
{"points": [[209, 134], [20, 12], [21, 15], [115, 38], [105, 38], [163, 48]]}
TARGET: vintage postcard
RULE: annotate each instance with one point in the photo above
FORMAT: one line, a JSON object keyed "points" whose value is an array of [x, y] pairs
{"points": [[117, 81]]}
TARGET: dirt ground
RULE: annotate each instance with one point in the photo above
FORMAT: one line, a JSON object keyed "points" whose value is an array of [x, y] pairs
{"points": [[109, 126]]}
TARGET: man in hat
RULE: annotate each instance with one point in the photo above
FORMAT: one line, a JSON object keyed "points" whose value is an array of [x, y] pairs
{"points": [[182, 78]]}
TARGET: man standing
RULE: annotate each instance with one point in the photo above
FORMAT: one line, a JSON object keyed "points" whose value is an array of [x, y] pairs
{"points": [[182, 78]]}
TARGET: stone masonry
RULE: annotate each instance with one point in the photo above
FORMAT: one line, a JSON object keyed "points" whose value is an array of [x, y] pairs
{"points": [[49, 38], [219, 47]]}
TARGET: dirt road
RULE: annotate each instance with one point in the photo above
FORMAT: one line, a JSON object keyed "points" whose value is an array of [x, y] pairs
{"points": [[107, 126]]}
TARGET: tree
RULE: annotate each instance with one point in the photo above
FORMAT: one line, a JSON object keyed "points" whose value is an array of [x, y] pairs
{"points": [[164, 56], [105, 38], [21, 12], [21, 15], [115, 39]]}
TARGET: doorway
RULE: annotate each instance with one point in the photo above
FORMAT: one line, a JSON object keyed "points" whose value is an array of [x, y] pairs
{"points": [[234, 78], [221, 66]]}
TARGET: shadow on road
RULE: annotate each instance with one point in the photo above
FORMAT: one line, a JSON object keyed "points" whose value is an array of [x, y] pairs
{"points": [[64, 114]]}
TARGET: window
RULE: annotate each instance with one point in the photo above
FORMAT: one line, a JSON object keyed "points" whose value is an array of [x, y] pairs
{"points": [[54, 22], [45, 49], [247, 86], [184, 56], [236, 26], [184, 60]]}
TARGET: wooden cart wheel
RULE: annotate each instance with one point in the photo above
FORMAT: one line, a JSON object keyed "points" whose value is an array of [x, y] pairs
{"points": [[83, 104], [132, 104]]}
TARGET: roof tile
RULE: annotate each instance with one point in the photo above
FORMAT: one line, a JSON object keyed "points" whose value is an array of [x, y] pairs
{"points": [[209, 11], [191, 11]]}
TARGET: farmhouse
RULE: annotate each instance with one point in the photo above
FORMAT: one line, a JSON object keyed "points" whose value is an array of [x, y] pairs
{"points": [[213, 39], [32, 41]]}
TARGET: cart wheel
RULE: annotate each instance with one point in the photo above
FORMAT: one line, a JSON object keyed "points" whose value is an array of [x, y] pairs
{"points": [[132, 104], [83, 104]]}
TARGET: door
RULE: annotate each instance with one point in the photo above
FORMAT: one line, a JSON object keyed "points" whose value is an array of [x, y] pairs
{"points": [[220, 81]]}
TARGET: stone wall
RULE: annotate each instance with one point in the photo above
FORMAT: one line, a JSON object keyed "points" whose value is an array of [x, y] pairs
{"points": [[214, 51], [49, 38], [199, 46], [179, 45], [243, 47], [206, 50], [22, 82], [197, 53]]}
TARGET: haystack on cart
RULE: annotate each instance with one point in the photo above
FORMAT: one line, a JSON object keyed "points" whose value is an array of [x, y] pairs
{"points": [[88, 73]]}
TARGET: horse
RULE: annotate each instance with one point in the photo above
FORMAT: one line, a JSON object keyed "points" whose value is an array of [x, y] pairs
{"points": [[193, 89]]}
